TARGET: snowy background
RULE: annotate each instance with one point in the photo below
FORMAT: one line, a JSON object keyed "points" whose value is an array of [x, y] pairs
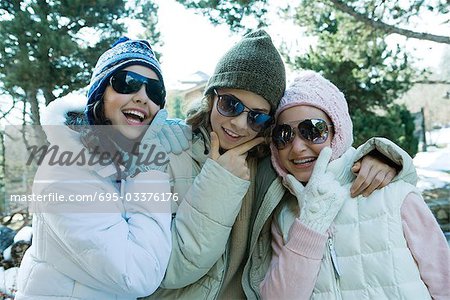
{"points": [[433, 166]]}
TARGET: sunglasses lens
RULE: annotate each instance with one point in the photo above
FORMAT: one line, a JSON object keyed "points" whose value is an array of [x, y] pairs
{"points": [[259, 121], [124, 83], [229, 106], [314, 130], [282, 135], [127, 82], [156, 92]]}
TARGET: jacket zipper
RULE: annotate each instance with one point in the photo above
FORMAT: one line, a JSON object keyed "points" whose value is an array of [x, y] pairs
{"points": [[250, 260], [224, 271], [334, 258], [336, 271]]}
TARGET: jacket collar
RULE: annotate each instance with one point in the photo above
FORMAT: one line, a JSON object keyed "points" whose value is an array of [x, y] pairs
{"points": [[54, 119], [201, 145]]}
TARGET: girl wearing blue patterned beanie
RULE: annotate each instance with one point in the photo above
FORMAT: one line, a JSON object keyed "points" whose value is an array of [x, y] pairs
{"points": [[123, 53], [116, 244]]}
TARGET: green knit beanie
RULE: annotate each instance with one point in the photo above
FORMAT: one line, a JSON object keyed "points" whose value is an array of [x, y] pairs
{"points": [[254, 65]]}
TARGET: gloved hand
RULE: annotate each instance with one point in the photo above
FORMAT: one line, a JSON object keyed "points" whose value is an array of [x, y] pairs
{"points": [[152, 155], [175, 136], [322, 197]]}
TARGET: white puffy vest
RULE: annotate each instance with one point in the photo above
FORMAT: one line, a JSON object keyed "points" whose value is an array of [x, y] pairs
{"points": [[367, 256]]}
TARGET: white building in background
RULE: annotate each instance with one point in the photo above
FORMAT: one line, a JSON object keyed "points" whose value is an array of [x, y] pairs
{"points": [[434, 98], [187, 90]]}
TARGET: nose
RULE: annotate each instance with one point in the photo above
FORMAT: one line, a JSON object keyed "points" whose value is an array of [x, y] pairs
{"points": [[240, 121], [141, 96], [298, 145]]}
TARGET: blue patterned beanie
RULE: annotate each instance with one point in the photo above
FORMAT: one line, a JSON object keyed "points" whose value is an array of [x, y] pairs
{"points": [[124, 52]]}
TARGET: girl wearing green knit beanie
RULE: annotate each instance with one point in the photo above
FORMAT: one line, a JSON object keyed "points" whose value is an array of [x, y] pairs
{"points": [[221, 231]]}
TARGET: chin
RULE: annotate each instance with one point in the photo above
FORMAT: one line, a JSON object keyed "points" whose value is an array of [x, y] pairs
{"points": [[133, 134], [301, 177]]}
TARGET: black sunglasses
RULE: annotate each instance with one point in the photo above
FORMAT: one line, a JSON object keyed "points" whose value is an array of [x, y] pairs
{"points": [[230, 106], [312, 130], [128, 82]]}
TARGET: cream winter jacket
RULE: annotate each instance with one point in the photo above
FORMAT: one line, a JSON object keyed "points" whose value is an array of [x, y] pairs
{"points": [[121, 253]]}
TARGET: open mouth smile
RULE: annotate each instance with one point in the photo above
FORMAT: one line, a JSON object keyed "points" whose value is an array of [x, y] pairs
{"points": [[134, 116]]}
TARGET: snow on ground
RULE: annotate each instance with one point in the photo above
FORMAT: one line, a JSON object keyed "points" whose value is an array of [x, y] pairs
{"points": [[433, 166]]}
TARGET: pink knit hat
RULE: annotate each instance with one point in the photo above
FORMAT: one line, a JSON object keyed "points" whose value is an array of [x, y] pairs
{"points": [[311, 88]]}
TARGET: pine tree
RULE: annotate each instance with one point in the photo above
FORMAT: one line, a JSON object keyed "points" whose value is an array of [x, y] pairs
{"points": [[48, 48]]}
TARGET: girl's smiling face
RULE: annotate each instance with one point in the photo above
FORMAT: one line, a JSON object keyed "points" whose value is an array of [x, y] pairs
{"points": [[235, 131], [131, 111], [299, 156]]}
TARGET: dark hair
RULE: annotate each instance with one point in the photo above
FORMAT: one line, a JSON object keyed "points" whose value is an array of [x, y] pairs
{"points": [[94, 137], [98, 112], [199, 115]]}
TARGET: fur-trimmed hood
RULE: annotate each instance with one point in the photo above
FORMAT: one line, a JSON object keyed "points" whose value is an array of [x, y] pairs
{"points": [[57, 115], [57, 112]]}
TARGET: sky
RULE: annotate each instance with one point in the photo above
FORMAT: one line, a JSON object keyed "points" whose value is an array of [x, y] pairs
{"points": [[192, 43]]}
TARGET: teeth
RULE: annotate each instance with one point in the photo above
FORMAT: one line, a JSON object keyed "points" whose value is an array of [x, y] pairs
{"points": [[231, 133], [136, 113], [303, 161]]}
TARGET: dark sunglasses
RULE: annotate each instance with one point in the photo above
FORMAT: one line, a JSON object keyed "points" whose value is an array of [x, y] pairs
{"points": [[230, 106], [312, 130], [127, 82]]}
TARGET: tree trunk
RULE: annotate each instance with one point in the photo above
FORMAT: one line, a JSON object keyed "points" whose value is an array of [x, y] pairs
{"points": [[34, 107], [48, 95], [2, 174]]}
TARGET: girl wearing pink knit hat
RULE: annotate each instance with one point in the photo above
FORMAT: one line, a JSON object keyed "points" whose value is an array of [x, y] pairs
{"points": [[327, 245]]}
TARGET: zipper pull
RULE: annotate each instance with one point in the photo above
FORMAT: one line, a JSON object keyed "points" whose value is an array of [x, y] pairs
{"points": [[122, 188], [334, 257]]}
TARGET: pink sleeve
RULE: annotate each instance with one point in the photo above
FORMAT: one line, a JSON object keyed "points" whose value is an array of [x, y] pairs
{"points": [[295, 266], [428, 245]]}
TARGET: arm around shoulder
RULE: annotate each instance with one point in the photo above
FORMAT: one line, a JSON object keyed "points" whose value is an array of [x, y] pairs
{"points": [[392, 152]]}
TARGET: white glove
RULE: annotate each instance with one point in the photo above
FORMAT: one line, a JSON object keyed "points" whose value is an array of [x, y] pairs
{"points": [[175, 136], [322, 198], [151, 148]]}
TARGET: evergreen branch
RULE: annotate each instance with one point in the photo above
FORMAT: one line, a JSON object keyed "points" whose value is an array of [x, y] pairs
{"points": [[341, 6]]}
